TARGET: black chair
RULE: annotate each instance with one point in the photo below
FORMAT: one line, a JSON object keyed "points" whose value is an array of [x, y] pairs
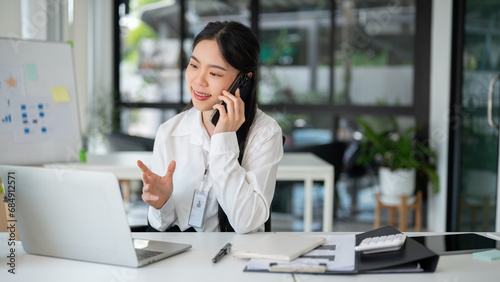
{"points": [[354, 171], [122, 142], [149, 228], [267, 224]]}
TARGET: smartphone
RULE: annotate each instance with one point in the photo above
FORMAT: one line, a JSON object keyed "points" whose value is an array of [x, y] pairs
{"points": [[245, 84]]}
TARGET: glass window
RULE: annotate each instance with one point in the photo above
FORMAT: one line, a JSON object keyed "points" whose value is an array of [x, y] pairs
{"points": [[150, 52], [295, 52], [374, 53], [200, 13], [151, 68], [324, 65], [304, 129], [479, 141], [143, 121]]}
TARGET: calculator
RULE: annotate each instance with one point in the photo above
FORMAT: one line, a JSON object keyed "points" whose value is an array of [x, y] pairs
{"points": [[386, 243]]}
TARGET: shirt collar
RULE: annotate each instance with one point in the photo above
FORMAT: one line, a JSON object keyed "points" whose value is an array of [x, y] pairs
{"points": [[191, 124]]}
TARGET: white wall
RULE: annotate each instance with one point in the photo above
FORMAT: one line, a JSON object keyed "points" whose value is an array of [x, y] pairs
{"points": [[10, 15], [439, 104], [79, 34]]}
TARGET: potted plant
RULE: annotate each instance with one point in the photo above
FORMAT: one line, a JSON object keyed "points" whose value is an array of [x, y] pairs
{"points": [[399, 157]]}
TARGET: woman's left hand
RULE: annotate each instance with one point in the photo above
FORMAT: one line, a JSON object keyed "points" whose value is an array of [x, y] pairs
{"points": [[231, 120]]}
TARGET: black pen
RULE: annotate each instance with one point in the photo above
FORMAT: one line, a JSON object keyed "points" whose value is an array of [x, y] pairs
{"points": [[224, 251]]}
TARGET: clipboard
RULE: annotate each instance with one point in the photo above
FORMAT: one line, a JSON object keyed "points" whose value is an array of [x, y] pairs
{"points": [[412, 257]]}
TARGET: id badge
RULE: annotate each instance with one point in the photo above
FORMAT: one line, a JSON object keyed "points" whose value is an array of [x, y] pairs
{"points": [[198, 208]]}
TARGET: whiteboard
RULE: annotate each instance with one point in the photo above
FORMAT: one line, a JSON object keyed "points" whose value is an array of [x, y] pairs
{"points": [[39, 120]]}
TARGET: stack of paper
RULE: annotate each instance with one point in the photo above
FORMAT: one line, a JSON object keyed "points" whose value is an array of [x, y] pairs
{"points": [[336, 254]]}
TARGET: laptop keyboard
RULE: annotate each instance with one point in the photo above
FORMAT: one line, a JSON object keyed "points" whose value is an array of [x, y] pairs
{"points": [[145, 254]]}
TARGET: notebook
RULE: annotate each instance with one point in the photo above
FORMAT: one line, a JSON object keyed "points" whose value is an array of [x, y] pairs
{"points": [[76, 214], [277, 247]]}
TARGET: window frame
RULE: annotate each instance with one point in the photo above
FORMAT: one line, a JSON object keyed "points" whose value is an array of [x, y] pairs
{"points": [[421, 80]]}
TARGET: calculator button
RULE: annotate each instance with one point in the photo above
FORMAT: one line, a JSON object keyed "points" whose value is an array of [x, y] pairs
{"points": [[381, 244]]}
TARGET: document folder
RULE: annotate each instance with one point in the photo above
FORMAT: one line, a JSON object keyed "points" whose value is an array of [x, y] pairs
{"points": [[412, 257]]}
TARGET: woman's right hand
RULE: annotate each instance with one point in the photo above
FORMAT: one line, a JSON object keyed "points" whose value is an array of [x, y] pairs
{"points": [[156, 189]]}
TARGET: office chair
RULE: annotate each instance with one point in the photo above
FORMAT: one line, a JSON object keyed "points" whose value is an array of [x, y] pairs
{"points": [[149, 228], [267, 224]]}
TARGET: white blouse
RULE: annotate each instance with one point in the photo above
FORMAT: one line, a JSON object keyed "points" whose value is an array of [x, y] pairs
{"points": [[244, 191]]}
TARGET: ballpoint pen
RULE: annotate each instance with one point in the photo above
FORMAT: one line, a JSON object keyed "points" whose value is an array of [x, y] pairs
{"points": [[224, 251]]}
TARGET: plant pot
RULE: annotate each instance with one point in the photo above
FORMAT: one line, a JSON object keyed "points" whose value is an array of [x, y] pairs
{"points": [[398, 182]]}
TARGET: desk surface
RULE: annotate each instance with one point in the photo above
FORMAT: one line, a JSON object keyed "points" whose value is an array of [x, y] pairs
{"points": [[196, 265]]}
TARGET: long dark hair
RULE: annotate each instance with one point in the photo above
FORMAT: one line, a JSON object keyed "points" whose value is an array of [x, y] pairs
{"points": [[239, 48]]}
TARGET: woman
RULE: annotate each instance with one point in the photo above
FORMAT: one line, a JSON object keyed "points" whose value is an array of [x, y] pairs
{"points": [[222, 177]]}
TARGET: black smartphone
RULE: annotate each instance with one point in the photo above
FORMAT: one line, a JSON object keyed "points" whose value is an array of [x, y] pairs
{"points": [[245, 84]]}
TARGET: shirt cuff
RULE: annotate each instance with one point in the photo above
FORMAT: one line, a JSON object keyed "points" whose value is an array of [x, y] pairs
{"points": [[223, 143], [161, 219]]}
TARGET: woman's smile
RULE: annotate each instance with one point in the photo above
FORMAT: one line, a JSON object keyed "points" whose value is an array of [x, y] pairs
{"points": [[200, 96]]}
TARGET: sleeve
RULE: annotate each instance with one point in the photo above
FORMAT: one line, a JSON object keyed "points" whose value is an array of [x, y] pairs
{"points": [[245, 191], [161, 219]]}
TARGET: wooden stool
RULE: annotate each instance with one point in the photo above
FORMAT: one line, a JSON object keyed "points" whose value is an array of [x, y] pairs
{"points": [[403, 208], [474, 204], [125, 185]]}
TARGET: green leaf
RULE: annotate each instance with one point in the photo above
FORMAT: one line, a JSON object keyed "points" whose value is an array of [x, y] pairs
{"points": [[389, 149]]}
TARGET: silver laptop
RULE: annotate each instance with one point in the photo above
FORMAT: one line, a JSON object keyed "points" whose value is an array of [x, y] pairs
{"points": [[76, 214]]}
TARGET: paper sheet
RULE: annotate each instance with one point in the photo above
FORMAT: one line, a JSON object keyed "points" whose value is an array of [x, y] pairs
{"points": [[39, 119], [5, 114], [11, 85], [337, 254], [12, 81]]}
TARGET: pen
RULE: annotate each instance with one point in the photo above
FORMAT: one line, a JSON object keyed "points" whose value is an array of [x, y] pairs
{"points": [[226, 249]]}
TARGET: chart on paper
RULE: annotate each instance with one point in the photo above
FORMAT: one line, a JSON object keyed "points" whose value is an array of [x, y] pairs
{"points": [[11, 85], [36, 119], [5, 115]]}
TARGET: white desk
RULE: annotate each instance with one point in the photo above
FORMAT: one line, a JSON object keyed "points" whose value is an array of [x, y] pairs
{"points": [[308, 167], [122, 164], [196, 265], [305, 167]]}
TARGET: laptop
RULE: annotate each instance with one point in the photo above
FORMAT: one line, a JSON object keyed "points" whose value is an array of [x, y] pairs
{"points": [[77, 214]]}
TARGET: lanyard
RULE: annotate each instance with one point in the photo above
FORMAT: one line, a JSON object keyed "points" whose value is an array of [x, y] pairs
{"points": [[204, 181], [199, 204]]}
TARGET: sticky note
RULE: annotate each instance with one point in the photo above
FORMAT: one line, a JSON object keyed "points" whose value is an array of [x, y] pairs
{"points": [[32, 72], [60, 94], [488, 255]]}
